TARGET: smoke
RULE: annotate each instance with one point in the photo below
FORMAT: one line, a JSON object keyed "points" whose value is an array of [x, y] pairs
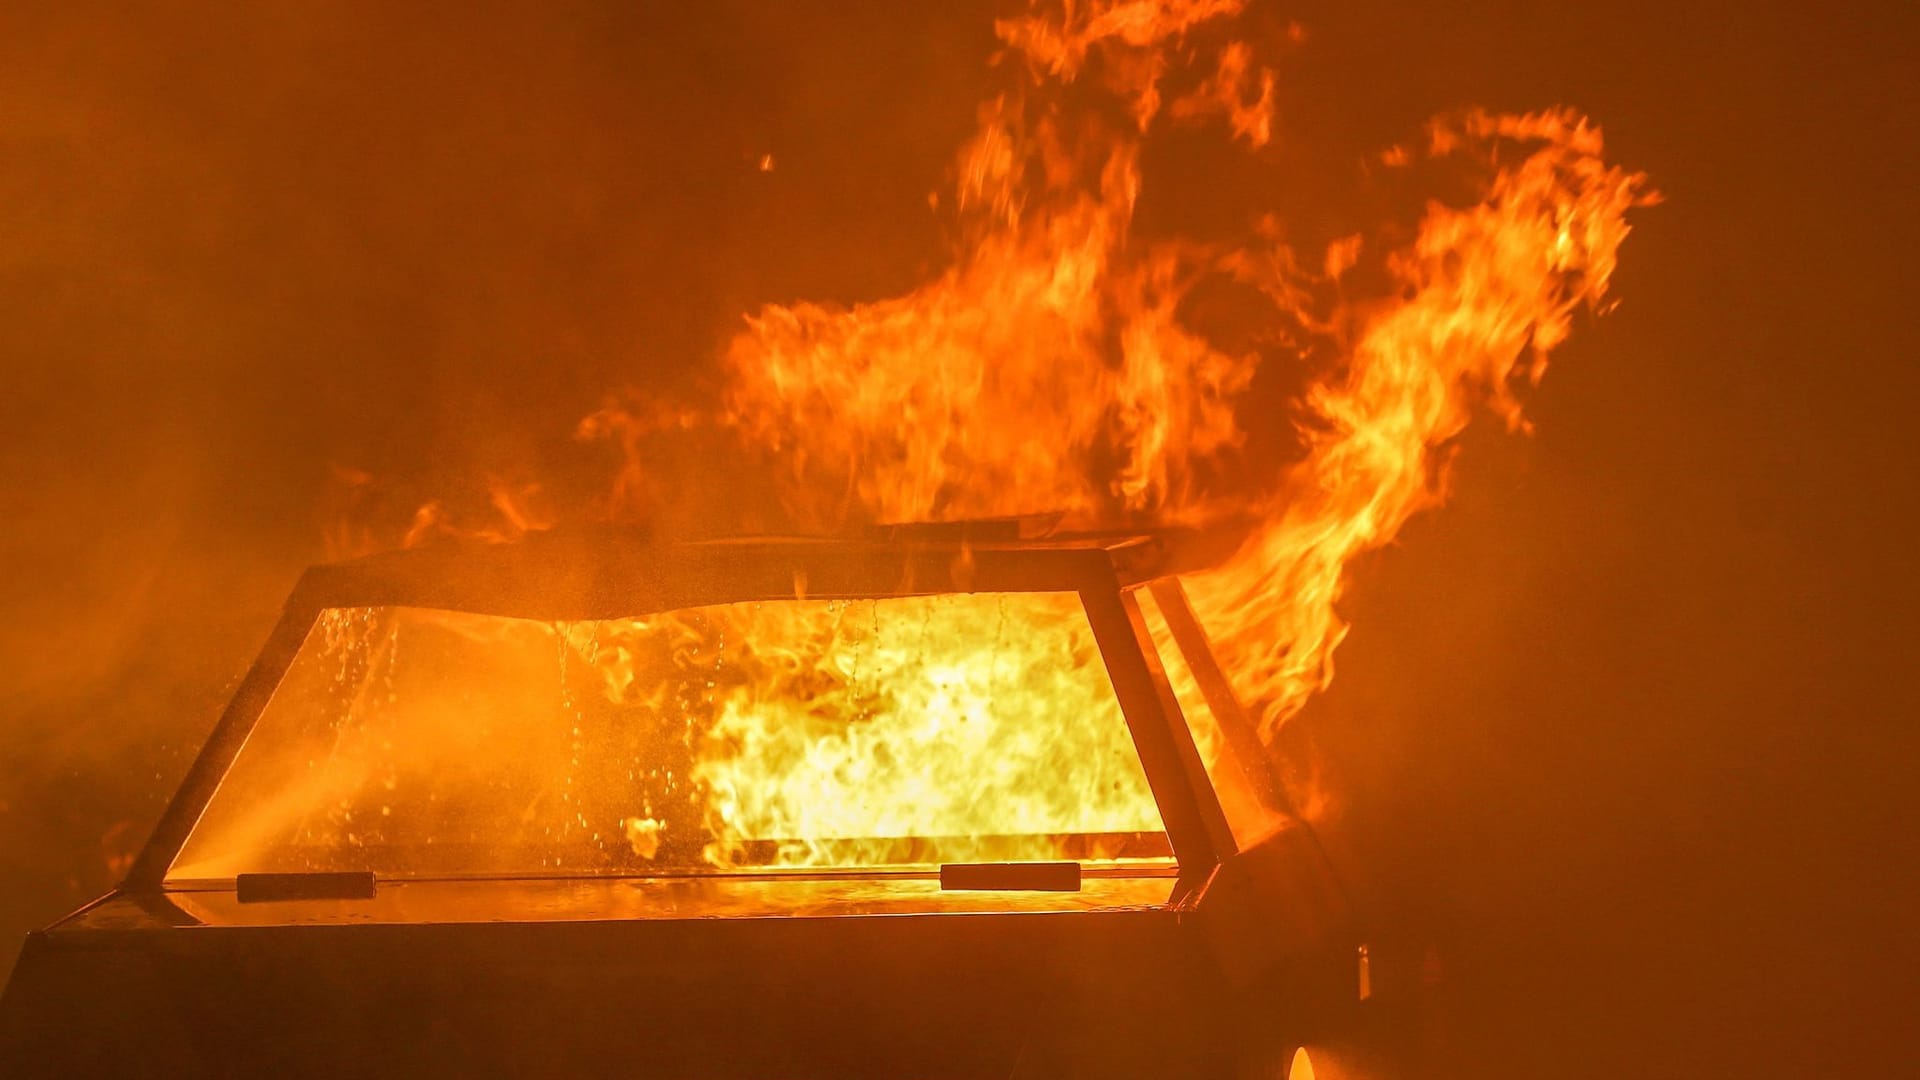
{"points": [[287, 284], [1630, 718], [249, 254], [1057, 364], [284, 285]]}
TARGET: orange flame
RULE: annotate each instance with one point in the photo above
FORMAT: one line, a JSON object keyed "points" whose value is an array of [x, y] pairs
{"points": [[791, 733], [1046, 369], [1489, 291], [1049, 368]]}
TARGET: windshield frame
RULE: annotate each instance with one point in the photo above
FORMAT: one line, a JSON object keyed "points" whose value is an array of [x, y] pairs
{"points": [[572, 577]]}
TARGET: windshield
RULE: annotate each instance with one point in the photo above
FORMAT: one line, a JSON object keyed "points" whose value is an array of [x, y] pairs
{"points": [[822, 734]]}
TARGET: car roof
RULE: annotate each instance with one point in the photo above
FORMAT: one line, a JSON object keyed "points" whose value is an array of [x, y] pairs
{"points": [[595, 573]]}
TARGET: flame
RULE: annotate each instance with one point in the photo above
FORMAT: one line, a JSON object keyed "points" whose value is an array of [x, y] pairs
{"points": [[907, 730], [1048, 368], [962, 727], [512, 509], [1490, 291], [1051, 367], [794, 733]]}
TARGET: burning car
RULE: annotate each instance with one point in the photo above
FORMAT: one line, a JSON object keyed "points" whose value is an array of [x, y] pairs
{"points": [[933, 801]]}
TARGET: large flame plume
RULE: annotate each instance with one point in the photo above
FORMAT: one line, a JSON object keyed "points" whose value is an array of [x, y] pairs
{"points": [[1048, 368], [1053, 367]]}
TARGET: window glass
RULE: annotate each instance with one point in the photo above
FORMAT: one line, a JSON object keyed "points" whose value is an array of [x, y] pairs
{"points": [[731, 738]]}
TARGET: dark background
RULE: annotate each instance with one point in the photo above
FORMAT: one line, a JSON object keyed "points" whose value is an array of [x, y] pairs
{"points": [[1627, 730]]}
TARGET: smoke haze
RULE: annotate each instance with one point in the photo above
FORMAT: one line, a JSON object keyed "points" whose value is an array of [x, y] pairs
{"points": [[1626, 729]]}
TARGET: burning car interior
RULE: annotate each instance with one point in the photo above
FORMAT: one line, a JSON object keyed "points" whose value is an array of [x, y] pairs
{"points": [[923, 738], [855, 736]]}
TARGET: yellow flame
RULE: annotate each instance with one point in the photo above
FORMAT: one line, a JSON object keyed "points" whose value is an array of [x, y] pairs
{"points": [[959, 727], [794, 733], [1490, 290], [1048, 368]]}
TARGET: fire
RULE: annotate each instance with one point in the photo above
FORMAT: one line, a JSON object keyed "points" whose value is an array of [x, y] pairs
{"points": [[905, 731], [964, 727], [1490, 291], [1046, 369], [1050, 368]]}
